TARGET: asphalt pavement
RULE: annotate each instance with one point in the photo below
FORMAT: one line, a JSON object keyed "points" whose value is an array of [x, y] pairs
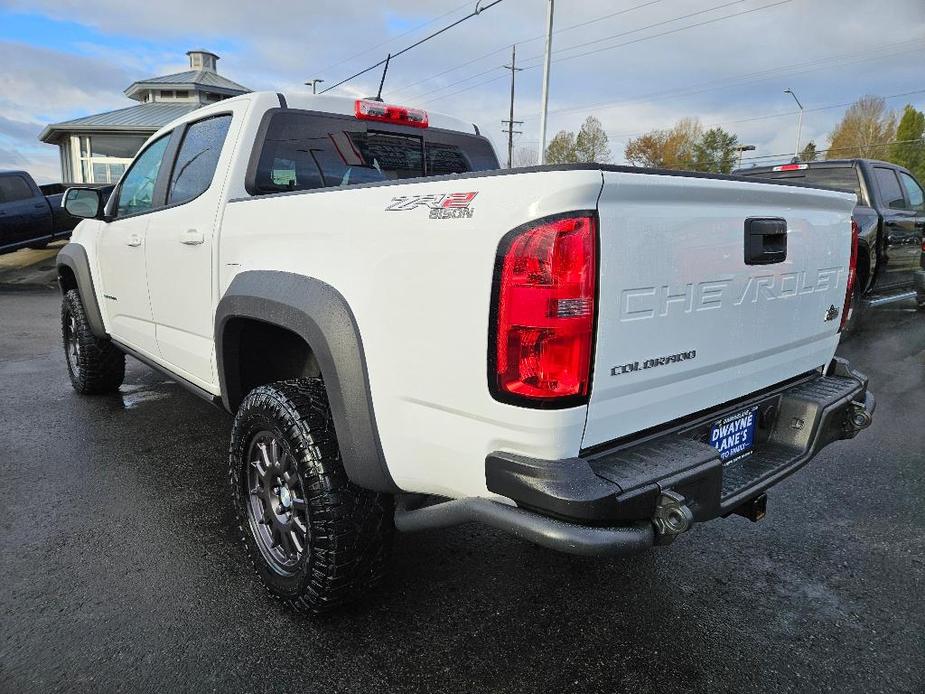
{"points": [[121, 571]]}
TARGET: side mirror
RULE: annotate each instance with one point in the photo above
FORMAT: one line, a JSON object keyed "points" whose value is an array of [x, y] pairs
{"points": [[85, 203]]}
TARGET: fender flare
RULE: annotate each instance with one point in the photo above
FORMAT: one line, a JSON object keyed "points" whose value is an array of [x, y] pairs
{"points": [[321, 316], [74, 257]]}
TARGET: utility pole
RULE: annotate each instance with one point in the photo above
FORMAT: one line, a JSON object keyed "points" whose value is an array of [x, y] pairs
{"points": [[511, 122], [545, 98], [314, 84]]}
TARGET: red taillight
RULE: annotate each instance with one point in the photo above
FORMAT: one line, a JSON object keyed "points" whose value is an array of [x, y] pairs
{"points": [[852, 275], [545, 288], [389, 113]]}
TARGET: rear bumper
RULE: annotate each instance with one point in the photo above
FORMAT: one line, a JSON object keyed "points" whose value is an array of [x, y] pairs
{"points": [[627, 497]]}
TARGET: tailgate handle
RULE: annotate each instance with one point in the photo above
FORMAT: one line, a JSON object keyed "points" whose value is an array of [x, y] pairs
{"points": [[765, 240]]}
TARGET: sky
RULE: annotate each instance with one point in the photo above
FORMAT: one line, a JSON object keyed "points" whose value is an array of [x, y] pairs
{"points": [[636, 65]]}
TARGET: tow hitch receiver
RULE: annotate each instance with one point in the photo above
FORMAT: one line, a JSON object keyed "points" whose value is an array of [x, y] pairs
{"points": [[754, 509]]}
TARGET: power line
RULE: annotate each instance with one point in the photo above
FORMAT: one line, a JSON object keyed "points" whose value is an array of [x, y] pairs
{"points": [[475, 13], [749, 78], [619, 45], [605, 38], [786, 114], [370, 49], [834, 149], [531, 39]]}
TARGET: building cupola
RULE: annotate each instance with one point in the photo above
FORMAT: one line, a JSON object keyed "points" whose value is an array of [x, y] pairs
{"points": [[202, 60]]}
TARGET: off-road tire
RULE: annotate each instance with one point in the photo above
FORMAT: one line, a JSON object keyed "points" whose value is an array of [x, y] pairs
{"points": [[350, 529], [94, 365]]}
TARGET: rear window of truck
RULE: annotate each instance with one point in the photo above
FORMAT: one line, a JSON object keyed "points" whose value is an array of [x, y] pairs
{"points": [[303, 151], [839, 177]]}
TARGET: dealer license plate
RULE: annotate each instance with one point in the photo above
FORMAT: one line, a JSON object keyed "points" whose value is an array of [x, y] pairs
{"points": [[734, 435]]}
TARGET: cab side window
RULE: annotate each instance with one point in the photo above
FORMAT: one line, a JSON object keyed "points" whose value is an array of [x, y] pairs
{"points": [[196, 161], [913, 192], [890, 192], [14, 188], [136, 192]]}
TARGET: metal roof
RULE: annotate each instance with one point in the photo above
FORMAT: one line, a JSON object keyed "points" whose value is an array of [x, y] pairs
{"points": [[191, 79], [140, 118]]}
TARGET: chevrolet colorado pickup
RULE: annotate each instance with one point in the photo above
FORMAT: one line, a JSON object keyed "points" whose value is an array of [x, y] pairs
{"points": [[592, 358], [890, 214]]}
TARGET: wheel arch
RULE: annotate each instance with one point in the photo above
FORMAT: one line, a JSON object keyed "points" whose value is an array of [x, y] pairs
{"points": [[317, 314], [73, 267]]}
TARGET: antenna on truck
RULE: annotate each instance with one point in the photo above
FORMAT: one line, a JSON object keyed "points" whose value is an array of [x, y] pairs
{"points": [[385, 71]]}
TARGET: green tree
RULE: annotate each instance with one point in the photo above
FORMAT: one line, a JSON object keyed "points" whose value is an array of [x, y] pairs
{"points": [[809, 152], [562, 149], [864, 131], [591, 143], [715, 151], [909, 150]]}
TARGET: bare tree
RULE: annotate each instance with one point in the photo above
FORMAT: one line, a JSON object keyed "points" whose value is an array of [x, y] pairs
{"points": [[525, 156]]}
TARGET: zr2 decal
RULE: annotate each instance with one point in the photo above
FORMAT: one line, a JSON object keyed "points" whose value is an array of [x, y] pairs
{"points": [[441, 205]]}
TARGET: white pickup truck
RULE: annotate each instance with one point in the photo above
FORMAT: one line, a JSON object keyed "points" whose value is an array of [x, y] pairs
{"points": [[593, 358]]}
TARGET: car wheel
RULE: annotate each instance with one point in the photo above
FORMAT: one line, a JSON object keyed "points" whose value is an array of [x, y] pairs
{"points": [[315, 539], [94, 365]]}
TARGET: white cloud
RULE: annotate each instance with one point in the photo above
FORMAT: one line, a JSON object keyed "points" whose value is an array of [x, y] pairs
{"points": [[737, 62]]}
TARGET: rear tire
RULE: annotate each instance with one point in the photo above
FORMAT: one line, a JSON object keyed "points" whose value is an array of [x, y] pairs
{"points": [[316, 540], [94, 365]]}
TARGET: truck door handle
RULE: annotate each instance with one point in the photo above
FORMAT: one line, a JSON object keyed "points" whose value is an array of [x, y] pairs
{"points": [[39, 206], [134, 240], [765, 240], [191, 237]]}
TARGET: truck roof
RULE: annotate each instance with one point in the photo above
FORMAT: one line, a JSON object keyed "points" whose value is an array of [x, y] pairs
{"points": [[346, 105], [821, 163]]}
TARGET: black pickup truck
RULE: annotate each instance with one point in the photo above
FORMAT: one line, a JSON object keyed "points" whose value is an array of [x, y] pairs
{"points": [[31, 215], [890, 214]]}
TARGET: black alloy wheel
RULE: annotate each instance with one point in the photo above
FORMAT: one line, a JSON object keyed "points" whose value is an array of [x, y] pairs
{"points": [[276, 509]]}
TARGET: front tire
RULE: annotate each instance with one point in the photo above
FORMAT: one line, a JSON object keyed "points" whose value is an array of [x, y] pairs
{"points": [[93, 365], [315, 539]]}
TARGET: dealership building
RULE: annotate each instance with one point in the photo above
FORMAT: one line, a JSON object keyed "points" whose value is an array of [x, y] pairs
{"points": [[97, 149]]}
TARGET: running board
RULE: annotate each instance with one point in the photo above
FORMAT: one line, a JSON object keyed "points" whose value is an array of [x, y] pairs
{"points": [[870, 303]]}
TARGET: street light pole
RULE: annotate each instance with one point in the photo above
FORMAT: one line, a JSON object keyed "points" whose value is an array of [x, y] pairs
{"points": [[796, 152], [314, 84], [545, 98], [744, 148]]}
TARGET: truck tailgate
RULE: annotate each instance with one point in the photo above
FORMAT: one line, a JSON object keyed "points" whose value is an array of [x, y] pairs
{"points": [[684, 322]]}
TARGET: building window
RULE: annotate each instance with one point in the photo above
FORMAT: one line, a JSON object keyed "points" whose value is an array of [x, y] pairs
{"points": [[103, 158], [181, 94], [166, 93]]}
